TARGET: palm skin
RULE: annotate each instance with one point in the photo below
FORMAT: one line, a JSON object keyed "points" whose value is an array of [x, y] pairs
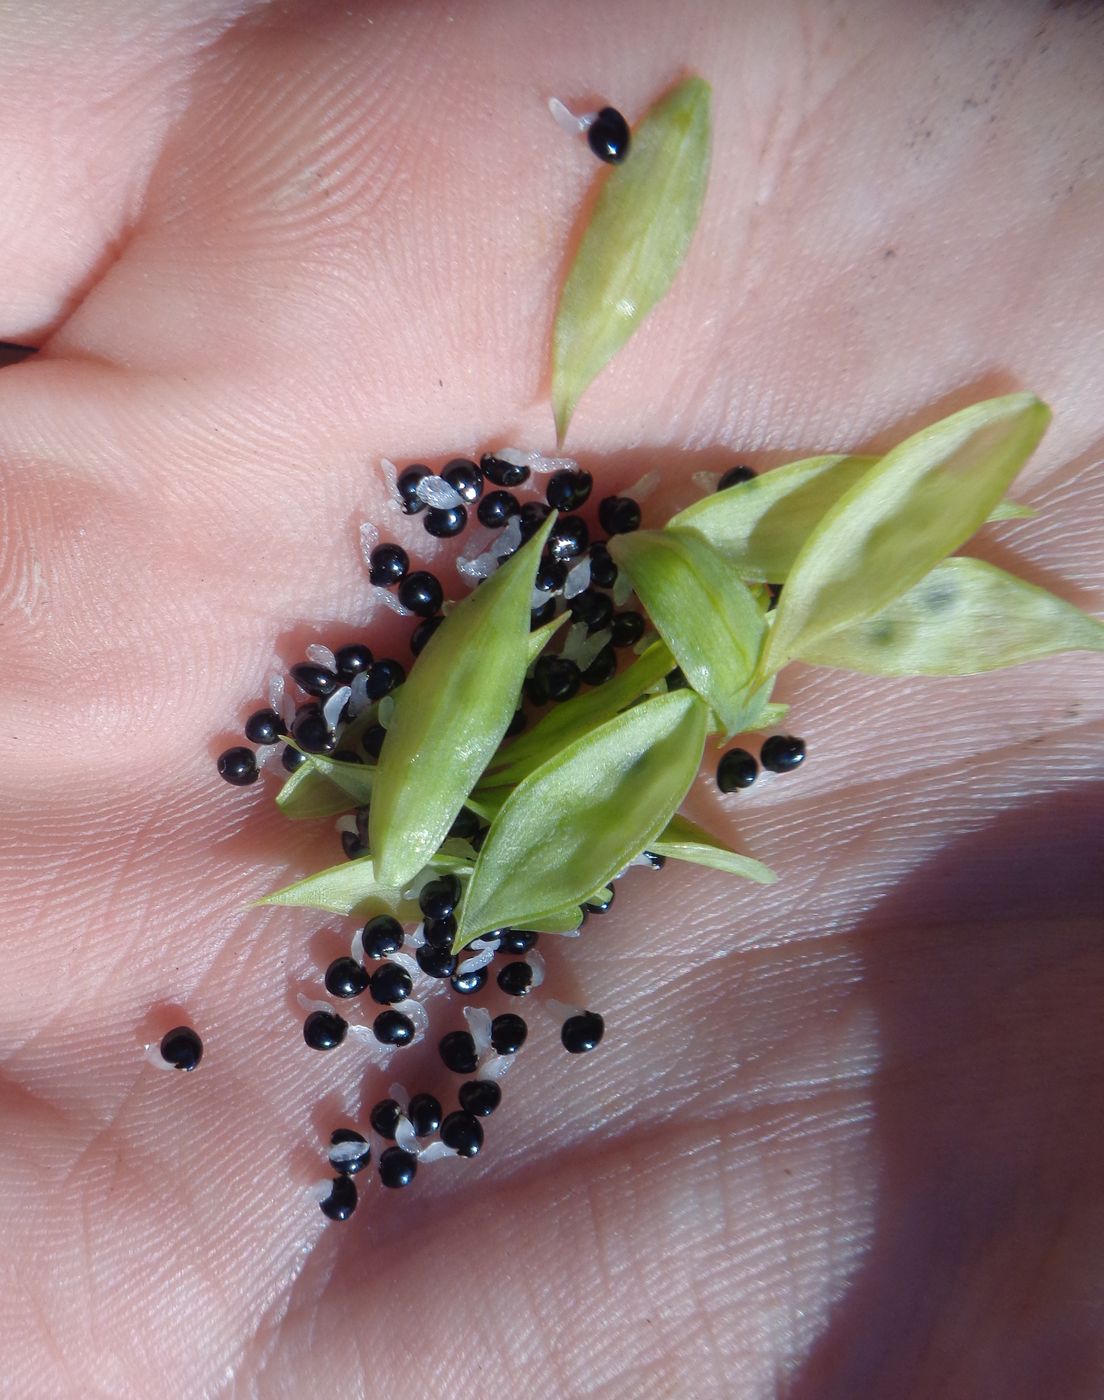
{"points": [[843, 1136]]}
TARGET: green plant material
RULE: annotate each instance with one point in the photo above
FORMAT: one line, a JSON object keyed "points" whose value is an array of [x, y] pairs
{"points": [[1010, 510], [684, 840], [920, 503], [541, 636], [559, 921], [349, 888], [707, 617], [307, 793], [453, 712], [354, 780], [963, 618], [761, 525], [573, 718], [634, 243], [582, 816]]}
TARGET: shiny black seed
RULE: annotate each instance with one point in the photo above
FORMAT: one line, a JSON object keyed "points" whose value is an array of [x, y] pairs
{"points": [[393, 1028], [568, 490], [444, 523], [372, 740], [656, 861], [397, 1168], [676, 680], [345, 978], [466, 984], [292, 758], [349, 1166], [593, 608], [384, 1118], [618, 515], [351, 660], [462, 1133], [315, 680], [737, 769], [424, 1114], [182, 1048], [508, 1033], [387, 564], [439, 933], [551, 576], [438, 898], [539, 616], [342, 1200], [532, 517], [480, 1097], [408, 488], [628, 628], [603, 571], [421, 593], [557, 677], [422, 634], [264, 727], [608, 136], [782, 752], [390, 983], [602, 668], [322, 1030], [384, 676], [734, 476], [516, 941], [503, 473], [465, 478], [311, 732], [465, 825], [599, 906], [516, 725], [382, 936], [238, 766], [569, 538], [515, 979], [457, 1051], [352, 845], [436, 962], [582, 1033], [496, 508]]}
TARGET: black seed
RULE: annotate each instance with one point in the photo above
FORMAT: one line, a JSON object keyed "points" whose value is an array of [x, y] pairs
{"points": [[443, 524], [436, 962], [182, 1048], [618, 515], [466, 984], [422, 634], [322, 1030], [656, 861], [737, 769], [515, 979], [582, 1033], [496, 508], [387, 565], [352, 845], [628, 628], [457, 1051], [599, 906], [465, 478], [238, 766], [315, 680], [734, 476], [264, 727], [345, 978], [438, 898], [503, 473], [508, 1033], [397, 1168], [439, 933], [782, 752], [393, 1028], [390, 983], [372, 740], [342, 1200], [421, 593], [569, 538], [516, 725], [557, 677], [407, 484], [462, 1133], [532, 517], [676, 680], [568, 490], [516, 941], [384, 1118], [602, 668], [539, 616], [351, 660], [311, 732], [603, 571], [608, 136], [551, 576], [424, 1114], [593, 608], [350, 1165], [465, 825], [382, 936], [384, 676], [292, 758], [480, 1097]]}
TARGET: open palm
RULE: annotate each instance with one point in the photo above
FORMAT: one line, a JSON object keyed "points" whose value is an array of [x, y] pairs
{"points": [[843, 1137]]}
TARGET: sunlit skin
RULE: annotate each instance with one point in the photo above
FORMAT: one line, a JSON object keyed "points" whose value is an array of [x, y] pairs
{"points": [[842, 1136]]}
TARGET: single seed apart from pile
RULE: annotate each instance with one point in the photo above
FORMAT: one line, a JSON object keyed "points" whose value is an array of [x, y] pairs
{"points": [[458, 1053], [182, 1048], [782, 752], [466, 984], [397, 1168], [508, 1033], [388, 564], [424, 1114], [342, 1200], [264, 727], [462, 1133], [436, 962], [384, 1118], [408, 483], [443, 524], [480, 1097], [344, 977], [515, 979], [496, 508], [238, 766], [322, 1030], [422, 634], [349, 1166], [421, 593], [608, 136], [737, 769], [393, 1028], [382, 936], [503, 473], [315, 680], [390, 983], [465, 478], [568, 490], [582, 1033], [351, 660], [734, 476]]}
